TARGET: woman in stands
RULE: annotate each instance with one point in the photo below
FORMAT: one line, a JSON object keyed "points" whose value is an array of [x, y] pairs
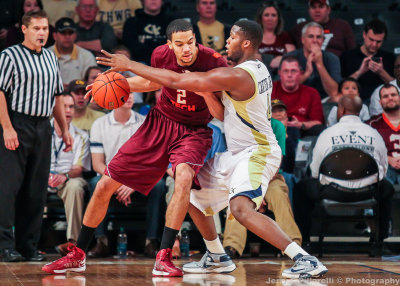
{"points": [[275, 41]]}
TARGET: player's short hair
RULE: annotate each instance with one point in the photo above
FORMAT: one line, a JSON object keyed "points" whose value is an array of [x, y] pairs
{"points": [[178, 25], [252, 31], [309, 25], [347, 79], [386, 86], [289, 59], [377, 27], [26, 19]]}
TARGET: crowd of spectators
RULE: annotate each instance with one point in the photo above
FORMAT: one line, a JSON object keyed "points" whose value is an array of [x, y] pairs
{"points": [[322, 78]]}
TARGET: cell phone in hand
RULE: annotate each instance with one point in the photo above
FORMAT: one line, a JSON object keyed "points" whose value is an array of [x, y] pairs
{"points": [[376, 59]]}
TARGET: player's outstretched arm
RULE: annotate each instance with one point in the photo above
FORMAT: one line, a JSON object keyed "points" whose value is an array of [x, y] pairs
{"points": [[215, 80]]}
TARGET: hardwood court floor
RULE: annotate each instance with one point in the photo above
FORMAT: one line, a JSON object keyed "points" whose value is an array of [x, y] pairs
{"points": [[343, 270]]}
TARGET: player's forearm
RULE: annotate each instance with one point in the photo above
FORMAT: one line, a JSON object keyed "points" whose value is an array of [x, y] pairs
{"points": [[161, 76], [215, 106], [5, 121], [59, 113], [140, 84]]}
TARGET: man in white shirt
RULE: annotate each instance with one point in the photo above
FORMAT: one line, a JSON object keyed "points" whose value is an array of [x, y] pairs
{"points": [[66, 173], [107, 135], [74, 60], [350, 131], [375, 107]]}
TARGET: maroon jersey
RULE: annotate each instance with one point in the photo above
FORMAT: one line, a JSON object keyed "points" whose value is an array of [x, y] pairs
{"points": [[180, 105], [389, 133]]}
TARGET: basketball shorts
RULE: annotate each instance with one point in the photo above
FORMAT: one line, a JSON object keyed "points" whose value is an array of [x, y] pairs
{"points": [[228, 175], [143, 160]]}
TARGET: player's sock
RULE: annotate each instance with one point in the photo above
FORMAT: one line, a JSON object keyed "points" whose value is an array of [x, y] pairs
{"points": [[85, 237], [214, 246], [168, 238], [294, 251]]}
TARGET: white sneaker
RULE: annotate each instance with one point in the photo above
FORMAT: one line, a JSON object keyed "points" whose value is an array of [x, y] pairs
{"points": [[305, 267], [211, 263]]}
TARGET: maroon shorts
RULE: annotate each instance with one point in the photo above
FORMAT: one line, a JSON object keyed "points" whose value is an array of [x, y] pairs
{"points": [[143, 160]]}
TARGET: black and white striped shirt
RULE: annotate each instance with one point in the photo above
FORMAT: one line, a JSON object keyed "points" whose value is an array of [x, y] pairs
{"points": [[30, 80]]}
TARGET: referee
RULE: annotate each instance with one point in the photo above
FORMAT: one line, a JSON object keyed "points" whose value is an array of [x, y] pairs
{"points": [[30, 83]]}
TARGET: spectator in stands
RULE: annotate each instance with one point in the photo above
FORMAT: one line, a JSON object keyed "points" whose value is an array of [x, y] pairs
{"points": [[8, 18], [146, 31], [303, 103], [108, 134], [279, 112], [15, 35], [388, 125], [321, 68], [275, 41], [375, 107], [93, 35], [370, 65], [341, 135], [66, 173], [116, 12], [73, 60], [276, 200], [91, 74], [348, 86], [57, 9], [210, 32], [338, 35], [83, 115]]}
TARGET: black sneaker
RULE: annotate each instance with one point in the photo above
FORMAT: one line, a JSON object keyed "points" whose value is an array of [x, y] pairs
{"points": [[11, 255], [37, 256], [232, 252]]}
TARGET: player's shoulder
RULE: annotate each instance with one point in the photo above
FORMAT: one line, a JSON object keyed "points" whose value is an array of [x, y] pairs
{"points": [[161, 51], [210, 56]]}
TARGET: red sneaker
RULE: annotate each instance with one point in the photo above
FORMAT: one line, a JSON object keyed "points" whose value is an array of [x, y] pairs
{"points": [[164, 265], [75, 261]]}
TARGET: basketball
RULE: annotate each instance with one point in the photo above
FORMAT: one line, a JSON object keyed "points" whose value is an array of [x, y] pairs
{"points": [[110, 90]]}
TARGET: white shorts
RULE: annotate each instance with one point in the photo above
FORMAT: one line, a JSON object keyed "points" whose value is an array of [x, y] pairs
{"points": [[228, 175]]}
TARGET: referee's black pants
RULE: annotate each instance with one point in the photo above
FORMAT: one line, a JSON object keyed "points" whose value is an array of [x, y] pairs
{"points": [[23, 183], [308, 192]]}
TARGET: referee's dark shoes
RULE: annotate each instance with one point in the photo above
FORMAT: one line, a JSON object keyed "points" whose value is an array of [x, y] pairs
{"points": [[11, 255]]}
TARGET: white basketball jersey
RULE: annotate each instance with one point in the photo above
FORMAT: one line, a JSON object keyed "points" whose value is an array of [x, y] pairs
{"points": [[248, 123]]}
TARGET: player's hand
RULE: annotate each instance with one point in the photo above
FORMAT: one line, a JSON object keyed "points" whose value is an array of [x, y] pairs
{"points": [[123, 194], [10, 138], [89, 92], [116, 62], [68, 141]]}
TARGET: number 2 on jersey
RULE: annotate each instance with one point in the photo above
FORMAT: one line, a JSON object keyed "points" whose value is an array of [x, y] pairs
{"points": [[181, 96]]}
